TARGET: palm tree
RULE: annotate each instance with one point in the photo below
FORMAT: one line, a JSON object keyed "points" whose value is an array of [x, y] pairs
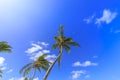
{"points": [[62, 42], [4, 47], [40, 63]]}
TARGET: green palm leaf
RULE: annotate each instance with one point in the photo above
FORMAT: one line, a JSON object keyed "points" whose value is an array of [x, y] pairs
{"points": [[68, 40], [26, 66], [54, 46], [27, 71], [4, 47], [73, 44], [61, 30], [66, 47]]}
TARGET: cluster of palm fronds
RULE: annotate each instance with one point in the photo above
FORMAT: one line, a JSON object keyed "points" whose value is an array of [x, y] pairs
{"points": [[4, 47]]}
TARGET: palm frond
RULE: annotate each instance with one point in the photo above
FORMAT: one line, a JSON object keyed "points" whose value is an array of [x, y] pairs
{"points": [[4, 47], [61, 31], [41, 57], [73, 44], [0, 71], [24, 67], [68, 40], [25, 78], [39, 69], [0, 76], [66, 47], [55, 46], [44, 67], [27, 71], [57, 39]]}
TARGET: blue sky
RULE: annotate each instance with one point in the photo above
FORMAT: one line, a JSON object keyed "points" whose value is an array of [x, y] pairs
{"points": [[30, 25]]}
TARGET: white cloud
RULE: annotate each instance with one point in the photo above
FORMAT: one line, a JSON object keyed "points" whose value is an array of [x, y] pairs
{"points": [[36, 78], [77, 74], [84, 64], [2, 63], [12, 79], [46, 51], [107, 17], [51, 57], [44, 44], [9, 71], [2, 60], [34, 48], [39, 49], [3, 68], [89, 19]]}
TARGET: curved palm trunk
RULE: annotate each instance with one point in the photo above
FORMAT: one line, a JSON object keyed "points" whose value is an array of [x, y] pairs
{"points": [[51, 66]]}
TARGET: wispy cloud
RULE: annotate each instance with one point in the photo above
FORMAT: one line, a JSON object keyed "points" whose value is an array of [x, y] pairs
{"points": [[95, 57], [117, 31], [34, 48], [38, 49], [44, 44], [84, 64], [114, 31], [76, 74], [89, 19], [107, 17]]}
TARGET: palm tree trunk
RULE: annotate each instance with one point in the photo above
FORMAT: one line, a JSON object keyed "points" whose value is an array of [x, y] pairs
{"points": [[51, 66]]}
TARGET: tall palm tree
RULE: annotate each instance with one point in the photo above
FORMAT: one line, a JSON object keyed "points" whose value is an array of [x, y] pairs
{"points": [[40, 63], [62, 42], [5, 47]]}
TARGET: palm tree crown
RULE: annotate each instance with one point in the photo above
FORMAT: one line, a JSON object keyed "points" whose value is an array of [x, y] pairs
{"points": [[40, 63], [62, 42]]}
